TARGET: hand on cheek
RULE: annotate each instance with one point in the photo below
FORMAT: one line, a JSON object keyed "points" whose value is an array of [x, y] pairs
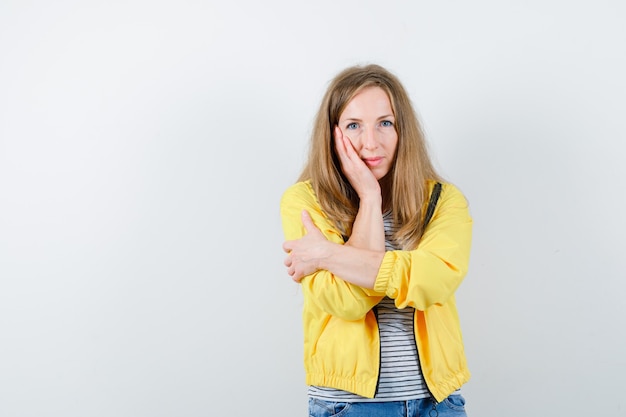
{"points": [[360, 176]]}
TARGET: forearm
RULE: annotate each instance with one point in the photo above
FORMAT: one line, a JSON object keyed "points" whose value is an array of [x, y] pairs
{"points": [[368, 231], [334, 296], [357, 266], [359, 259]]}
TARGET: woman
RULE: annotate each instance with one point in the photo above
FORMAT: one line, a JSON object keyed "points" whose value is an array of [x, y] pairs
{"points": [[378, 273]]}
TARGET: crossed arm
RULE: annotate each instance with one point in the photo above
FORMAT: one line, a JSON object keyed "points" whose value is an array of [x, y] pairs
{"points": [[348, 279], [314, 252], [358, 260]]}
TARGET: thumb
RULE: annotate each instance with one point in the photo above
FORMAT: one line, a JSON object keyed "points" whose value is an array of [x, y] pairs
{"points": [[309, 226]]}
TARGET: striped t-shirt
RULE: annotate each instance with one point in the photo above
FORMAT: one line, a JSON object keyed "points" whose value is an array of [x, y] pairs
{"points": [[400, 376]]}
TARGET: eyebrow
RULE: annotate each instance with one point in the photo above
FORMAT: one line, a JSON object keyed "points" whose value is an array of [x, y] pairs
{"points": [[354, 119]]}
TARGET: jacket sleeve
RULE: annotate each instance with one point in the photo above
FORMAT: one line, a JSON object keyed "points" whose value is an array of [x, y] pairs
{"points": [[431, 273], [329, 292]]}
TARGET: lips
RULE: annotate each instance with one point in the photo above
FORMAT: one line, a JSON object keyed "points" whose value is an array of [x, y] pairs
{"points": [[373, 162]]}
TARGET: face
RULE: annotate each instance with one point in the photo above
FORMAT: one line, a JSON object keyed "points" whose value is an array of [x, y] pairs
{"points": [[369, 122]]}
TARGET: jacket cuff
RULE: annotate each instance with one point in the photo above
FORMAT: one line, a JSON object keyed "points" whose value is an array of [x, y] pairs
{"points": [[384, 273]]}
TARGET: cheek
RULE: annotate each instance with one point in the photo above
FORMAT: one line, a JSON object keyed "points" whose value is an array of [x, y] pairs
{"points": [[354, 136], [356, 141], [392, 142]]}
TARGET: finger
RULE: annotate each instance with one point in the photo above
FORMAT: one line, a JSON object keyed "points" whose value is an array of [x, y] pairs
{"points": [[345, 149], [288, 261], [348, 157], [344, 143], [340, 145], [349, 149], [338, 134], [307, 221]]}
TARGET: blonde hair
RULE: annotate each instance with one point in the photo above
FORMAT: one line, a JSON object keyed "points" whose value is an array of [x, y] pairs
{"points": [[412, 167]]}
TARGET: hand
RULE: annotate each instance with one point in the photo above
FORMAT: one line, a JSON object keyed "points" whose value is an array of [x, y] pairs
{"points": [[304, 254], [360, 176]]}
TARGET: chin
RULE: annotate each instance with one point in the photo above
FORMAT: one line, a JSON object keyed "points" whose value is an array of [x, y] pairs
{"points": [[381, 177]]}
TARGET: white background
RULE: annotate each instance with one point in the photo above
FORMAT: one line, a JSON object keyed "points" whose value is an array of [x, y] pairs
{"points": [[144, 147]]}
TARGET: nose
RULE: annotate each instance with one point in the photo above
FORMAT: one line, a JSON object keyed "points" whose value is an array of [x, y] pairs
{"points": [[370, 140]]}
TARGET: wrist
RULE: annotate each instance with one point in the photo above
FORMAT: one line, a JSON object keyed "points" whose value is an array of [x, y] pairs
{"points": [[325, 259], [371, 200]]}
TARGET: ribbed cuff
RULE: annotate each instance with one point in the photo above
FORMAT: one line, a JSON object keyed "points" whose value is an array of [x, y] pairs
{"points": [[384, 272]]}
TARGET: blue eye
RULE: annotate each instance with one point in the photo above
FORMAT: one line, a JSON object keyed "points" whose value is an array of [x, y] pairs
{"points": [[352, 126], [386, 123]]}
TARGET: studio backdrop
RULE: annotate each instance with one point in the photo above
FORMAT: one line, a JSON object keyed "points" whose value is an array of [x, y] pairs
{"points": [[145, 145]]}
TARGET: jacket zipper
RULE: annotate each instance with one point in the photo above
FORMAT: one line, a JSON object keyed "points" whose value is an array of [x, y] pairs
{"points": [[419, 360], [380, 351]]}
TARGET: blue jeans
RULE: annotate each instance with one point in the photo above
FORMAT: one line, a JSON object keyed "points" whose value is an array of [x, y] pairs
{"points": [[453, 406]]}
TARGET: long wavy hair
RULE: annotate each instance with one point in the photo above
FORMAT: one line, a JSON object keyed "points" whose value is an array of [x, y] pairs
{"points": [[406, 182]]}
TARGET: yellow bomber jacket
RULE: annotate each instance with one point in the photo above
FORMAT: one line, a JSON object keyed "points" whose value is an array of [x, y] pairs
{"points": [[341, 339]]}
